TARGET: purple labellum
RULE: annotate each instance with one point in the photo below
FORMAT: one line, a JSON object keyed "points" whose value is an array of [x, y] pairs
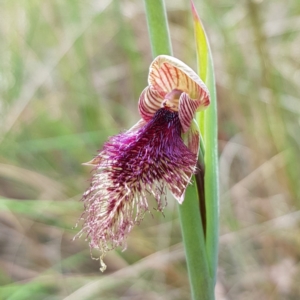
{"points": [[130, 166]]}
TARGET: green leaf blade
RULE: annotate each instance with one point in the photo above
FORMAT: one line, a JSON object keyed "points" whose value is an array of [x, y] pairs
{"points": [[209, 129]]}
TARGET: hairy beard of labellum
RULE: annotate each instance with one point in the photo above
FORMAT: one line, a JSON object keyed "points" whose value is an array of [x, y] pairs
{"points": [[130, 166]]}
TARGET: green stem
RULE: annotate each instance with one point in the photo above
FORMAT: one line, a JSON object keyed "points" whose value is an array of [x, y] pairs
{"points": [[158, 27], [194, 243], [201, 281]]}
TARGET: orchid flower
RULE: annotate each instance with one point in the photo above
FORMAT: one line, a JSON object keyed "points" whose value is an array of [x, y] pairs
{"points": [[160, 152]]}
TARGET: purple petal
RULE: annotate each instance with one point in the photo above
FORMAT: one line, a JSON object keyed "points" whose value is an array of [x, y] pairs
{"points": [[132, 165]]}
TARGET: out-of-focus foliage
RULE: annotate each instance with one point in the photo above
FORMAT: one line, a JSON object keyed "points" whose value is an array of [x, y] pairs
{"points": [[70, 76]]}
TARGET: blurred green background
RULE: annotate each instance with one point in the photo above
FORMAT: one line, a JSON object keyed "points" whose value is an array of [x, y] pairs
{"points": [[70, 76]]}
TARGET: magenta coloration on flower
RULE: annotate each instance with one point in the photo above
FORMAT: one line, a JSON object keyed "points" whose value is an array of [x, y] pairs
{"points": [[130, 166], [160, 152]]}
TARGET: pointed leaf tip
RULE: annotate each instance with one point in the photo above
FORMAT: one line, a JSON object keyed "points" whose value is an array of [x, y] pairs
{"points": [[194, 11], [201, 44]]}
